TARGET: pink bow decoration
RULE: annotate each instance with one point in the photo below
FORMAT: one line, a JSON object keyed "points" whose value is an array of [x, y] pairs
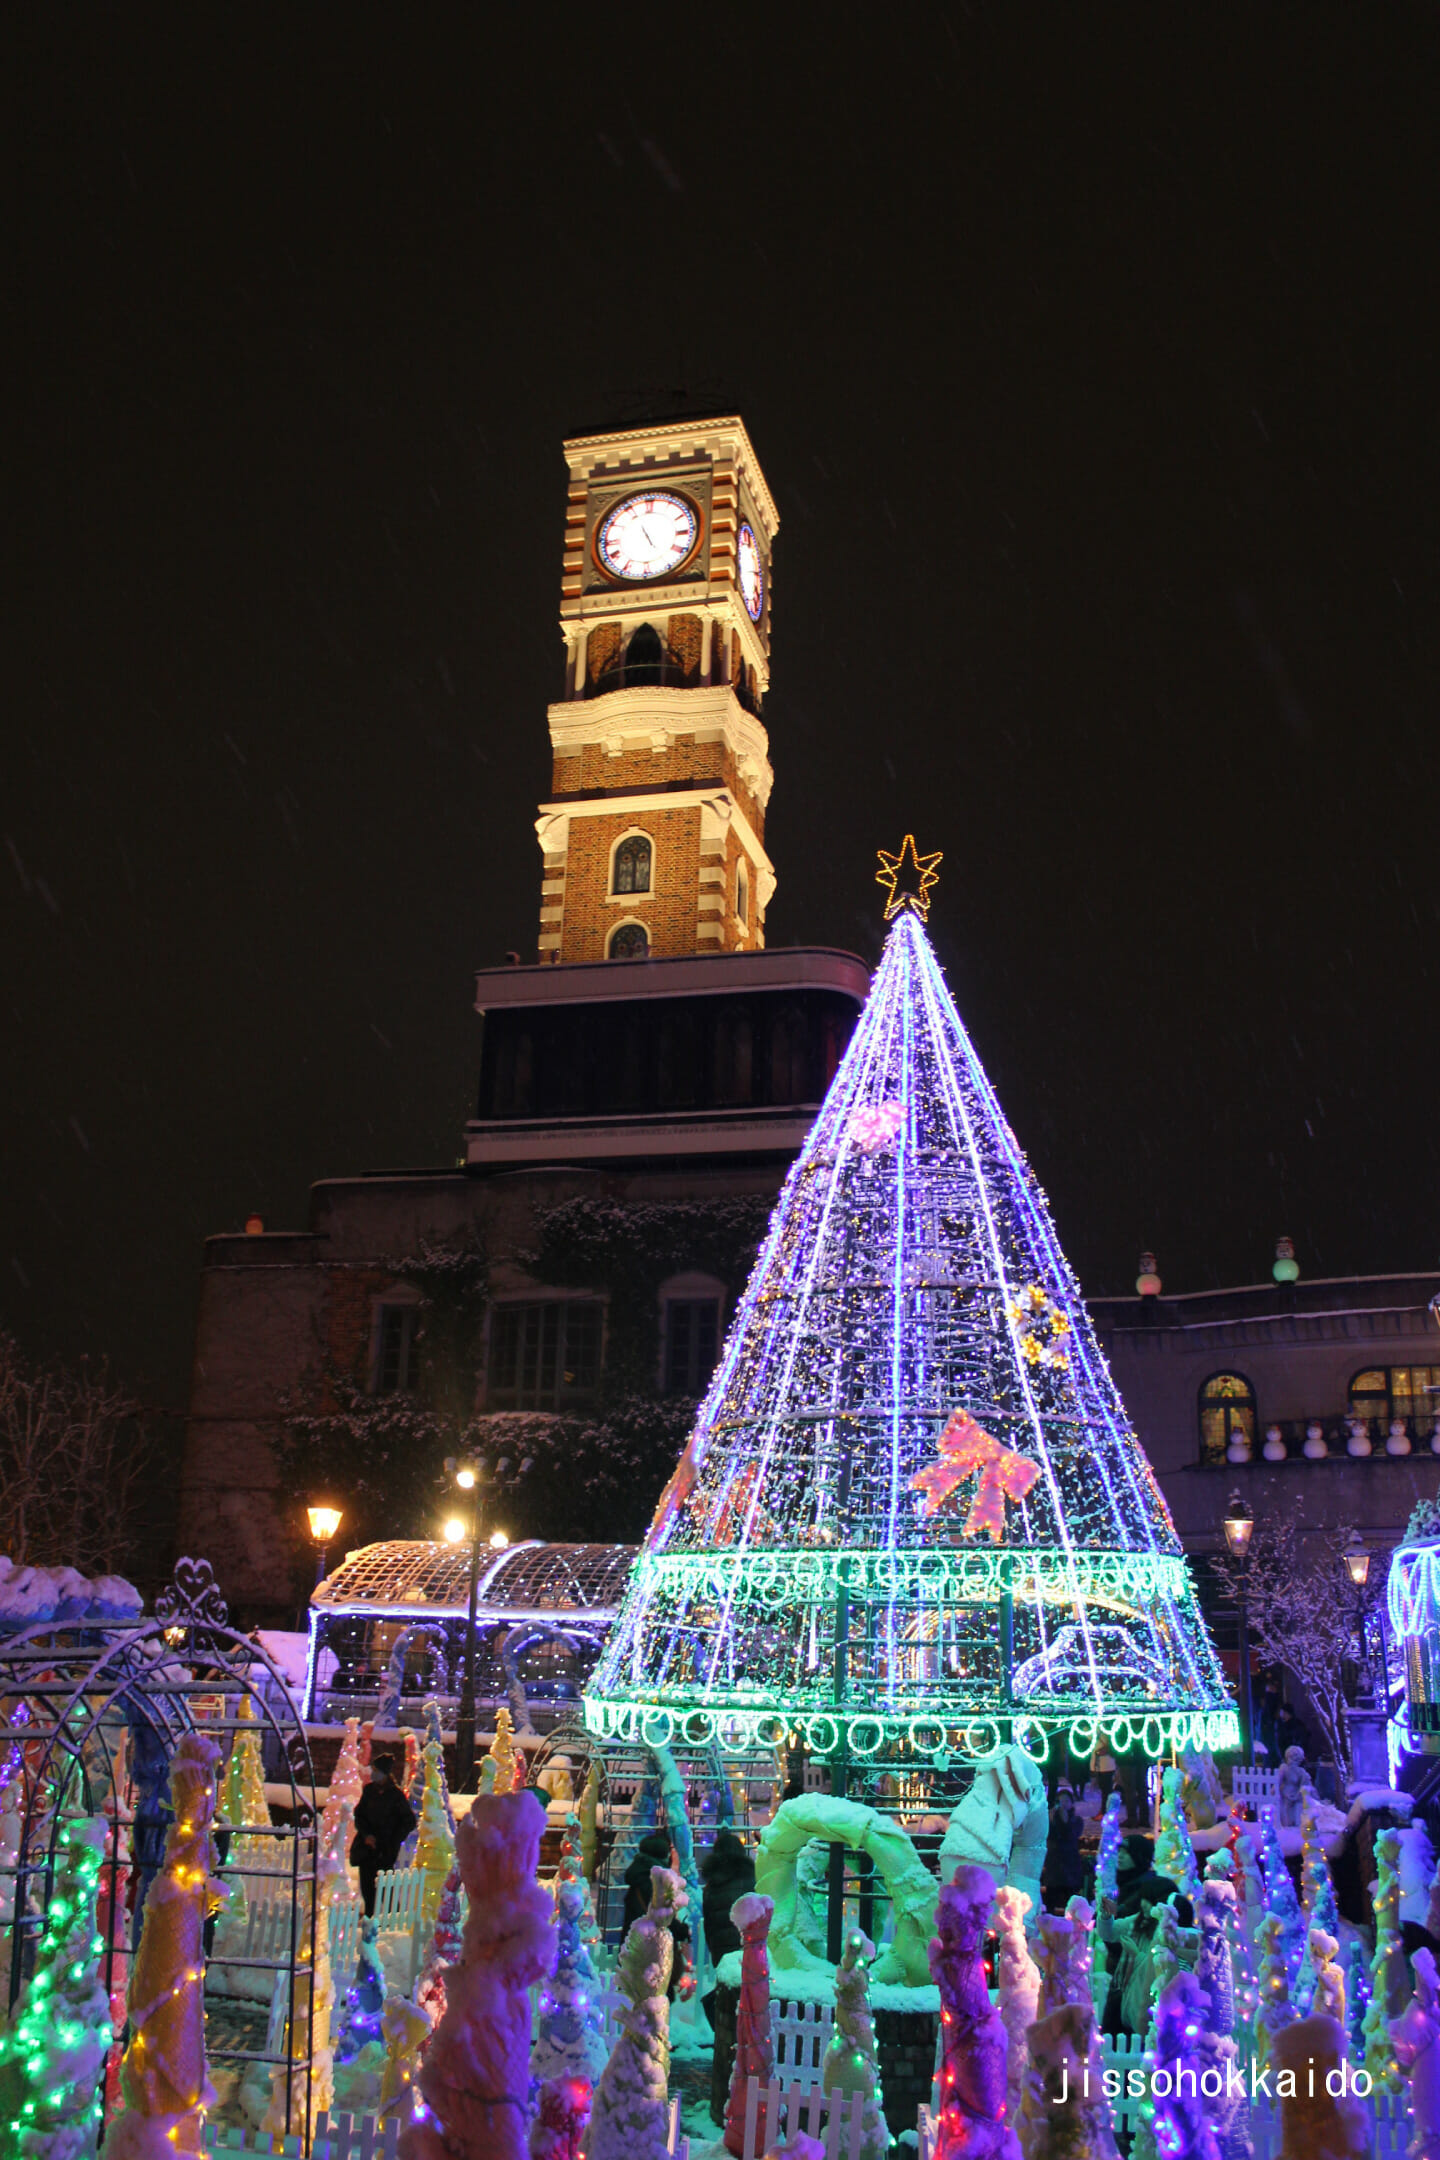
{"points": [[965, 1448]]}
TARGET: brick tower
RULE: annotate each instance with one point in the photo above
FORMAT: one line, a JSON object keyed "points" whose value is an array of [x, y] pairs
{"points": [[654, 835]]}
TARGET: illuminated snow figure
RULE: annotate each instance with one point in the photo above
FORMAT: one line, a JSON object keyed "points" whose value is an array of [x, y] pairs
{"points": [[630, 2118], [1002, 1825], [163, 2076], [1018, 1977], [570, 2017], [475, 2076], [1063, 2110], [754, 2043], [1414, 2037], [1187, 2122], [851, 2064], [52, 2054], [1317, 2121], [973, 2103], [1174, 1853], [910, 1314]]}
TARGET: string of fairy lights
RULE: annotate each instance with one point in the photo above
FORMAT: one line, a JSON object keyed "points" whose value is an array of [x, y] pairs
{"points": [[912, 1517]]}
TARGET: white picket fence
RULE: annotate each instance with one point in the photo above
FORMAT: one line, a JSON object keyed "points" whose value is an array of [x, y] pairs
{"points": [[337, 2137], [837, 2119], [1257, 1788], [800, 2033]]}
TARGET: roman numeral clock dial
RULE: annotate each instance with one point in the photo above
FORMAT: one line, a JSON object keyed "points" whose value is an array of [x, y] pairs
{"points": [[647, 536]]}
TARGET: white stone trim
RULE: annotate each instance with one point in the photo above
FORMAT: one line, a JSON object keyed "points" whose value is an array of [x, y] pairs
{"points": [[648, 711]]}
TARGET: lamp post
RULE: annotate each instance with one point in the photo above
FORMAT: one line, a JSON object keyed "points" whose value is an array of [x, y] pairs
{"points": [[324, 1522], [1357, 1567], [469, 1476], [1239, 1528]]}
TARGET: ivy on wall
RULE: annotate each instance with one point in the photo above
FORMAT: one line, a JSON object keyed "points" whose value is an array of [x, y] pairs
{"points": [[592, 1478]]}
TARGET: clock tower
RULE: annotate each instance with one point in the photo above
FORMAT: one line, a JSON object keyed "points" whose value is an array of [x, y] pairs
{"points": [[654, 834]]}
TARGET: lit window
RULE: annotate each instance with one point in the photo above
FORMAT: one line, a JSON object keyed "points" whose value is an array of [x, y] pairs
{"points": [[742, 894], [632, 865], [629, 942], [692, 1341], [1411, 1392], [397, 1360], [1227, 1408], [544, 1357]]}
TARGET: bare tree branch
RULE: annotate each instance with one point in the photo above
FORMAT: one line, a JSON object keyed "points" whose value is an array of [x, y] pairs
{"points": [[72, 1450]]}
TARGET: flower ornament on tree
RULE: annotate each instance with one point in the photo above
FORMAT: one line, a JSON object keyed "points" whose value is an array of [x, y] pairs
{"points": [[964, 1449], [1040, 1328], [877, 1126]]}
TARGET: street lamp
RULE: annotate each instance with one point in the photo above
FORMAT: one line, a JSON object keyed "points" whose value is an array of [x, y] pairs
{"points": [[1239, 1528], [468, 1477], [1357, 1567], [324, 1522]]}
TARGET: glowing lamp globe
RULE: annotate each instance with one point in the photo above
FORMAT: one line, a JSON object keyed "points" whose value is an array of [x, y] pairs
{"points": [[1147, 1282], [1357, 1563], [1239, 1527], [324, 1522], [1287, 1267], [453, 1531], [498, 1541]]}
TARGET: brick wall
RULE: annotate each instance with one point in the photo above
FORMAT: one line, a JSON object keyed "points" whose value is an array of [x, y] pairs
{"points": [[682, 635], [602, 650], [667, 910]]}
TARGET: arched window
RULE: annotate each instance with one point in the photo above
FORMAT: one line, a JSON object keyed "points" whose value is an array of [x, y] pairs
{"points": [[1412, 1392], [629, 942], [630, 870], [1227, 1407], [645, 657], [742, 894]]}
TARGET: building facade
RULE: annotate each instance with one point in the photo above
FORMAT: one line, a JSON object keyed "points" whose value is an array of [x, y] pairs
{"points": [[1321, 1398]]}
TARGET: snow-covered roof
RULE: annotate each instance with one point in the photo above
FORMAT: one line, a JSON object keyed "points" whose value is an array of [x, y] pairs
{"points": [[413, 1578]]}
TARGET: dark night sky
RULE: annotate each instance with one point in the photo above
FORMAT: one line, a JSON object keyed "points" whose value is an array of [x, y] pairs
{"points": [[1091, 355]]}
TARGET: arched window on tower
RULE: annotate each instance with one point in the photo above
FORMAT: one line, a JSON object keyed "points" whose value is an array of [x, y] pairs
{"points": [[644, 657], [629, 941], [1227, 1407], [630, 870]]}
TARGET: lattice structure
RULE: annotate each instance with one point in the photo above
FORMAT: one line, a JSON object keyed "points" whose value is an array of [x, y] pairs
{"points": [[913, 1519], [90, 1716], [402, 1604]]}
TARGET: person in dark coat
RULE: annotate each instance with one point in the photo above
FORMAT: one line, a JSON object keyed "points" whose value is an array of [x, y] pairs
{"points": [[655, 1850], [1063, 1874], [384, 1819], [727, 1872]]}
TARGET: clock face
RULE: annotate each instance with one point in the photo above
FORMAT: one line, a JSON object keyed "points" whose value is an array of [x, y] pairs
{"points": [[647, 536], [752, 576]]}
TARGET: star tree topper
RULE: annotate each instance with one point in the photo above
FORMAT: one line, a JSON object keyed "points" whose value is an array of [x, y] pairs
{"points": [[908, 877]]}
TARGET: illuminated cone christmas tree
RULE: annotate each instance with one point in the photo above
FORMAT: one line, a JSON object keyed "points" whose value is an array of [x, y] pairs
{"points": [[912, 1520]]}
